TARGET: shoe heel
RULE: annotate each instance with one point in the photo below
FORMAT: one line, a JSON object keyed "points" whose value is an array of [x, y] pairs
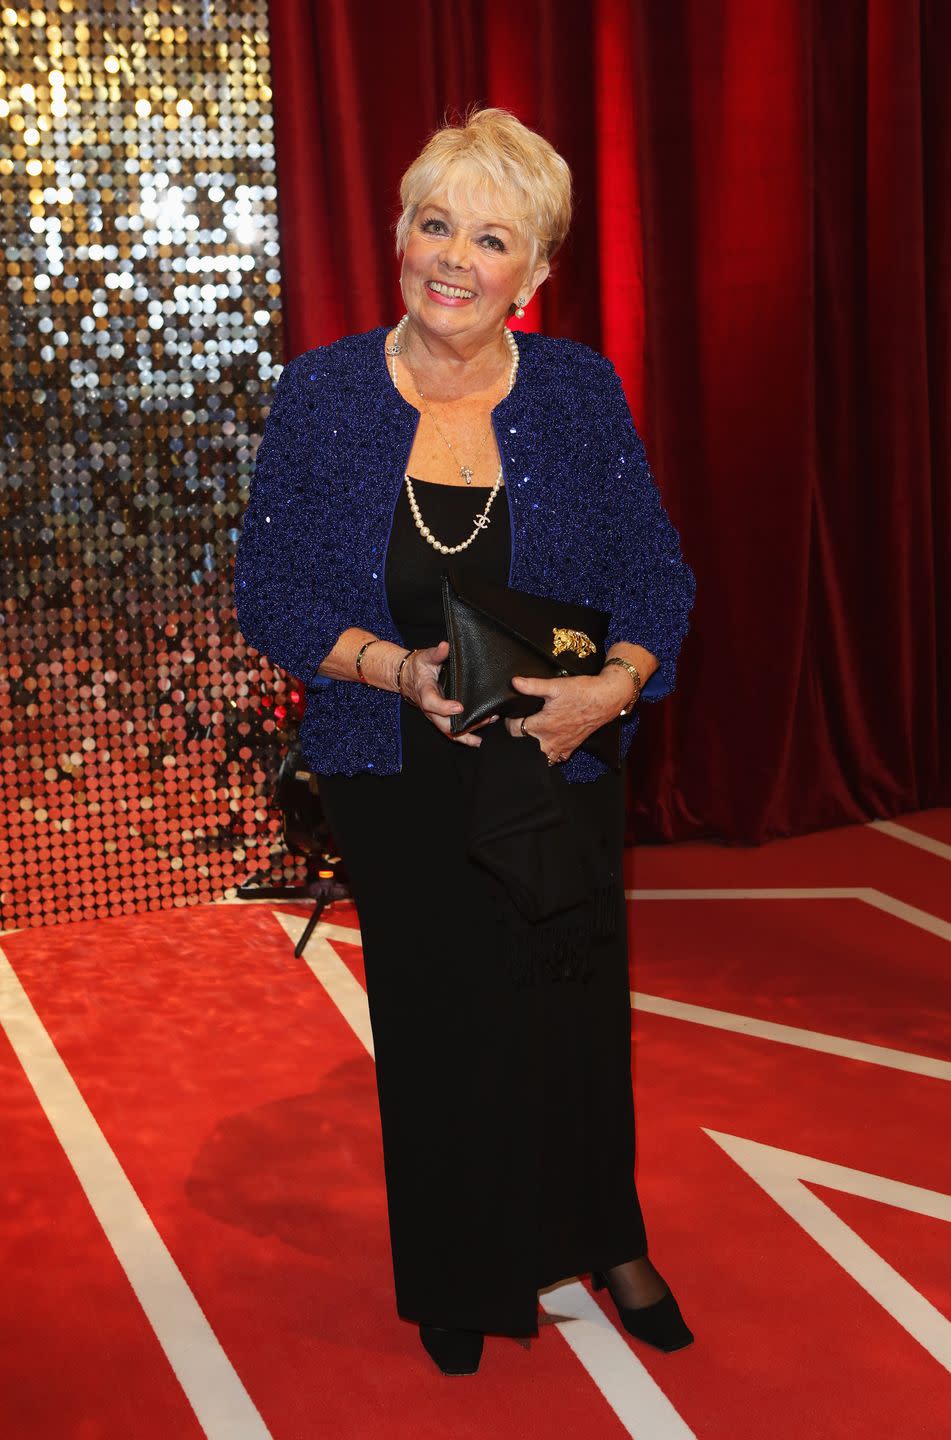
{"points": [[456, 1352]]}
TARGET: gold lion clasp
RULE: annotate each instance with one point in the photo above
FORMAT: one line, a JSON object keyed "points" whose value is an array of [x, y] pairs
{"points": [[574, 640]]}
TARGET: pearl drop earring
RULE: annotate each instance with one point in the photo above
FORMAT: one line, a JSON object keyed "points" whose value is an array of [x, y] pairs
{"points": [[519, 310]]}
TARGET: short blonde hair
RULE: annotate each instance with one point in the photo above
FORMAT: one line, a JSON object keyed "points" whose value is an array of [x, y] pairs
{"points": [[492, 155]]}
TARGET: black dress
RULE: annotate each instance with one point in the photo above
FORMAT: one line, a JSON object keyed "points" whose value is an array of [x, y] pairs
{"points": [[506, 1111]]}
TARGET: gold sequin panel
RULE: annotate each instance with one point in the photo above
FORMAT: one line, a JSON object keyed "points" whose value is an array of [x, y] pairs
{"points": [[139, 342]]}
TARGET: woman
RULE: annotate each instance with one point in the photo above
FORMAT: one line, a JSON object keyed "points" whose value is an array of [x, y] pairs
{"points": [[502, 1043]]}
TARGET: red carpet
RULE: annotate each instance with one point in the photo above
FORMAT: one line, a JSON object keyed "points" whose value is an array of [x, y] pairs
{"points": [[239, 1102]]}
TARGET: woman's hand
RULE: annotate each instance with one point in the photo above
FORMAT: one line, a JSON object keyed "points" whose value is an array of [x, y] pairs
{"points": [[575, 706], [419, 683]]}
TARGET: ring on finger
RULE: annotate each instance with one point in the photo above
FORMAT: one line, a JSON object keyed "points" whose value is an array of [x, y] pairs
{"points": [[522, 728]]}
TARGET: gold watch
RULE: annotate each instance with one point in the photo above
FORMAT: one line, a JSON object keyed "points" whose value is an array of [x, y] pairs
{"points": [[638, 683]]}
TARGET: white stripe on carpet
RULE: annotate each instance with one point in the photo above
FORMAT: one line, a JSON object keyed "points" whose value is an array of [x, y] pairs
{"points": [[867, 894], [781, 1174], [340, 984], [223, 1407], [912, 837], [792, 1035], [631, 1391]]}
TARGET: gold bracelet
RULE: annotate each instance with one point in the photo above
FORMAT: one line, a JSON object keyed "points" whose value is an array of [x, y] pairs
{"points": [[360, 653], [399, 668], [638, 683]]}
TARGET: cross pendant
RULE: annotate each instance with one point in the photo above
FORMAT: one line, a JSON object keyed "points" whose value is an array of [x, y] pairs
{"points": [[466, 474]]}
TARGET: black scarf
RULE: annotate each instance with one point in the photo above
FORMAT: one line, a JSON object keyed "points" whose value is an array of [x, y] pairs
{"points": [[542, 857]]}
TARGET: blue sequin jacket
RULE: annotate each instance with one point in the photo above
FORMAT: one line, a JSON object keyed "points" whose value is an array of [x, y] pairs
{"points": [[587, 523]]}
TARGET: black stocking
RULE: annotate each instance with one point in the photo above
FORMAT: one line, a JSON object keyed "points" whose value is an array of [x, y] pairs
{"points": [[636, 1284]]}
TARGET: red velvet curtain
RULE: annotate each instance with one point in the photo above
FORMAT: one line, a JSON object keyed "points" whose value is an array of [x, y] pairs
{"points": [[761, 244]]}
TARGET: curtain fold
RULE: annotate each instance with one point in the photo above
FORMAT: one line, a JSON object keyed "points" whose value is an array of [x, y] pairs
{"points": [[761, 244]]}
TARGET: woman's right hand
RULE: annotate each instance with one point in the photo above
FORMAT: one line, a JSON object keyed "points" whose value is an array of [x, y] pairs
{"points": [[419, 684]]}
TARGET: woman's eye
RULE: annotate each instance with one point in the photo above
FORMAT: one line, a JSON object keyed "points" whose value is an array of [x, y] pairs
{"points": [[428, 224], [494, 243]]}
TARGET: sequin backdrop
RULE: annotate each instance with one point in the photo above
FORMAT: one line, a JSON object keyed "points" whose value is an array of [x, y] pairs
{"points": [[141, 336]]}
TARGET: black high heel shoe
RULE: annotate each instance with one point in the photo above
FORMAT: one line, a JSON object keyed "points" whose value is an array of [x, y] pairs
{"points": [[660, 1324], [456, 1352]]}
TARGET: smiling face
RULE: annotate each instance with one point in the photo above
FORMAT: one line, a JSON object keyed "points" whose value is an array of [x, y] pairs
{"points": [[463, 269]]}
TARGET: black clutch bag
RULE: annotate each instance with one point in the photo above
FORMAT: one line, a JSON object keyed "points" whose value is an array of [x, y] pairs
{"points": [[495, 632]]}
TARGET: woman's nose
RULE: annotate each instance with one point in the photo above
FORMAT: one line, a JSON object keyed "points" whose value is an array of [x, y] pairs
{"points": [[456, 250]]}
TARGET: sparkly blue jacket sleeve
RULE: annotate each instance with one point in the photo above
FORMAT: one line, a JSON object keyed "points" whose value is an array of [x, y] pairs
{"points": [[654, 586], [284, 582]]}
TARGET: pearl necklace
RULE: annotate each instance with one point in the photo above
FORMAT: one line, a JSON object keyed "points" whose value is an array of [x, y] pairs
{"points": [[482, 520]]}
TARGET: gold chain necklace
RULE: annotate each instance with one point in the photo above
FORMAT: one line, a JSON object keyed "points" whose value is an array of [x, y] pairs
{"points": [[466, 471], [482, 519]]}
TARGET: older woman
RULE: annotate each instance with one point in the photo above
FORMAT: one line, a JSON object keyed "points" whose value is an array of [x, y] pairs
{"points": [[502, 1043]]}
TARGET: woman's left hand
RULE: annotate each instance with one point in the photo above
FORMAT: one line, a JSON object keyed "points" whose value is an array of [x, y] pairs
{"points": [[575, 705]]}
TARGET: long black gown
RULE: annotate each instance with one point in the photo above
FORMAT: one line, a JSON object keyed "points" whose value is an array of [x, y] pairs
{"points": [[507, 1112]]}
